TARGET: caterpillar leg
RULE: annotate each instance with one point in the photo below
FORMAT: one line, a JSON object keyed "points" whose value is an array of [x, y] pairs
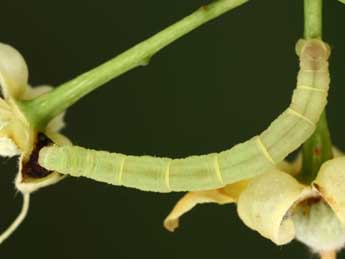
{"points": [[190, 200]]}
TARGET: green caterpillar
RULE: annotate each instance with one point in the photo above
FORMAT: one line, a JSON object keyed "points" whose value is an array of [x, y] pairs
{"points": [[211, 171]]}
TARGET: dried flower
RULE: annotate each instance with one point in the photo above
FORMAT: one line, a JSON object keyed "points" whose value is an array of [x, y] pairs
{"points": [[17, 134], [280, 208]]}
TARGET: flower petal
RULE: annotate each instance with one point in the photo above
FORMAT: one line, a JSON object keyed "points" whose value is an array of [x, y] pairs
{"points": [[13, 72], [317, 226], [190, 200], [234, 190], [35, 184], [8, 148], [58, 138], [30, 185], [264, 204], [57, 123], [330, 183], [337, 152], [5, 116], [33, 92], [291, 168]]}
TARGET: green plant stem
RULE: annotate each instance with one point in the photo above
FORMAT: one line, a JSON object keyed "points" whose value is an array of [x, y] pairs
{"points": [[318, 148], [39, 111], [312, 19]]}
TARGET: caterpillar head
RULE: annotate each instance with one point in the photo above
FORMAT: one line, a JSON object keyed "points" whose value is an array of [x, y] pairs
{"points": [[313, 53]]}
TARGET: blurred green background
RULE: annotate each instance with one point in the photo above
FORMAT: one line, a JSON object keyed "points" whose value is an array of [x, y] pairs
{"points": [[218, 86]]}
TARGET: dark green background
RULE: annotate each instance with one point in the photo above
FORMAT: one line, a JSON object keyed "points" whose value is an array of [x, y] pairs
{"points": [[217, 86]]}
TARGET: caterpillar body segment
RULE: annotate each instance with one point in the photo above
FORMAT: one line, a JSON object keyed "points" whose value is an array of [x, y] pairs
{"points": [[158, 174], [195, 173]]}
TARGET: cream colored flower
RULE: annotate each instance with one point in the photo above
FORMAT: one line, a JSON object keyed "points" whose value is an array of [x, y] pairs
{"points": [[17, 135], [280, 208]]}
